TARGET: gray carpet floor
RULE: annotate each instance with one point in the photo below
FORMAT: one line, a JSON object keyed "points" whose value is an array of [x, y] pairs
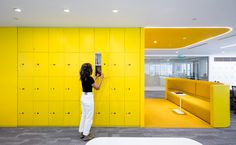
{"points": [[70, 136]]}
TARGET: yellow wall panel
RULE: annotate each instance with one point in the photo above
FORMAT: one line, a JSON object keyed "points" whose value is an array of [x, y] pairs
{"points": [[40, 66], [103, 93], [8, 76], [132, 64], [25, 88], [132, 89], [56, 64], [116, 64], [40, 89]]}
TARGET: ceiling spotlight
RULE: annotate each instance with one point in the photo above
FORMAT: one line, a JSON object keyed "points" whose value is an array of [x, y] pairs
{"points": [[17, 10], [184, 38], [115, 11], [66, 10], [155, 41]]}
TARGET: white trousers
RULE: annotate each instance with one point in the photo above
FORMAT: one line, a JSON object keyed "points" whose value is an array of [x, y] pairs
{"points": [[87, 104]]}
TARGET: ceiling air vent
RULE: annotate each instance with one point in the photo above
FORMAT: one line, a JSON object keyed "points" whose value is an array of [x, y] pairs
{"points": [[227, 37], [197, 45], [228, 59]]}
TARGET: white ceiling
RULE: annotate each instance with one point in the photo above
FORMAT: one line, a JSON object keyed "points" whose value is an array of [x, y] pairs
{"points": [[132, 13]]}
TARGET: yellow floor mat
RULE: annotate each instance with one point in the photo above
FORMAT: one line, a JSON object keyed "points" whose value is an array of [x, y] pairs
{"points": [[158, 113]]}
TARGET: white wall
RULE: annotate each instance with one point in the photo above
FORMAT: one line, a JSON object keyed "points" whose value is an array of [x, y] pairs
{"points": [[224, 72]]}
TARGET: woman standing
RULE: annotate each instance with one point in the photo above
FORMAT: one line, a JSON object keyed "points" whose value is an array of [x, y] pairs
{"points": [[87, 101]]}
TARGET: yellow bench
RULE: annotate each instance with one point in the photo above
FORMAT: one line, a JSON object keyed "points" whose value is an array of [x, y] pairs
{"points": [[206, 100]]}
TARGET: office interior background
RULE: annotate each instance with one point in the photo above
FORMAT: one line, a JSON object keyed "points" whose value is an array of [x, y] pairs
{"points": [[141, 45]]}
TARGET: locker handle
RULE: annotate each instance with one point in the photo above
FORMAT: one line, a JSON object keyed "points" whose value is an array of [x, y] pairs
{"points": [[37, 64], [22, 88], [98, 113], [22, 64], [21, 113], [37, 112], [68, 64], [114, 64], [114, 112], [54, 64], [37, 88], [53, 112], [104, 64], [129, 113], [52, 88], [129, 64], [128, 88], [68, 113], [67, 88]]}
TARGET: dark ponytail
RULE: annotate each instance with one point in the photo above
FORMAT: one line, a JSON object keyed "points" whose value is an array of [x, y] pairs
{"points": [[85, 71]]}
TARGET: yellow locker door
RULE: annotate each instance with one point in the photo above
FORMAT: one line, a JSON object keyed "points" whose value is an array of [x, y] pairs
{"points": [[105, 64], [72, 88], [132, 40], [116, 113], [116, 64], [132, 89], [25, 113], [56, 40], [86, 39], [72, 65], [71, 39], [132, 64], [25, 88], [101, 40], [72, 113], [117, 39], [56, 114], [117, 89], [104, 92], [40, 113], [101, 113], [40, 67], [56, 64], [132, 114], [25, 40], [40, 88], [40, 39], [25, 64], [56, 88]]}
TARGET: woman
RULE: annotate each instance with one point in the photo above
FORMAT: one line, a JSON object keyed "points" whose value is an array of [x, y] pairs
{"points": [[87, 101]]}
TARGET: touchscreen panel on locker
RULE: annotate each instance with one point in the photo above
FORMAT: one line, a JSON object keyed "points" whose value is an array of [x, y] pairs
{"points": [[98, 64]]}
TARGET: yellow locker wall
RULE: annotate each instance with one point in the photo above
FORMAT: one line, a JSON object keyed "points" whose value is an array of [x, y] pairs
{"points": [[8, 77], [48, 75]]}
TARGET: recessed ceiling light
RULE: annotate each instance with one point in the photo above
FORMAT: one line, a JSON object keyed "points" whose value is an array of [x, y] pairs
{"points": [[115, 11], [66, 10], [17, 10], [155, 41], [184, 38]]}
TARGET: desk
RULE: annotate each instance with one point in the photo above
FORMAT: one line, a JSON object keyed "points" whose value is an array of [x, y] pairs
{"points": [[179, 111], [142, 141]]}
